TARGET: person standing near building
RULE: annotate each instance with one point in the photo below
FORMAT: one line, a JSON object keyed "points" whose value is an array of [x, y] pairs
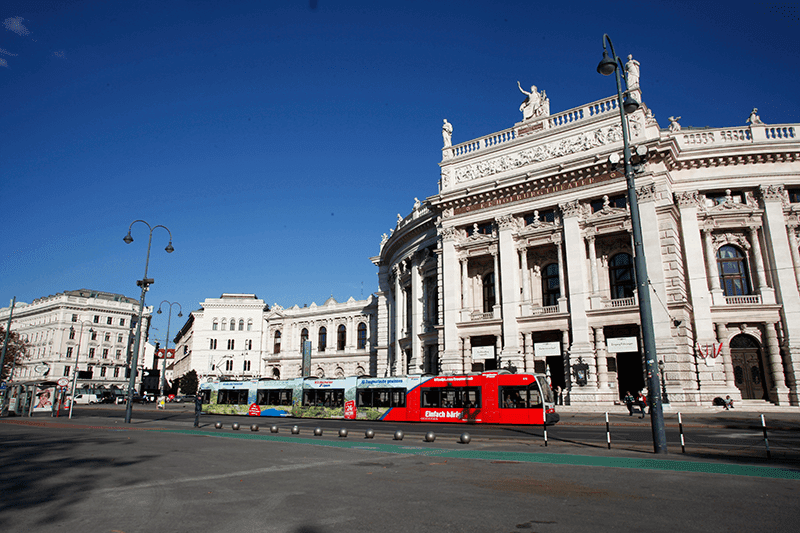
{"points": [[628, 399]]}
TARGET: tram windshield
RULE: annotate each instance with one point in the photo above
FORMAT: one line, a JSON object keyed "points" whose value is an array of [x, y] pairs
{"points": [[546, 390]]}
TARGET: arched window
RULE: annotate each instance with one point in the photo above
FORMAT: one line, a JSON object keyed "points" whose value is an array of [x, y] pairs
{"points": [[362, 336], [233, 324], [276, 346], [224, 323], [732, 271], [303, 338], [341, 337], [215, 325], [551, 288], [241, 325], [250, 325], [323, 339], [488, 292], [620, 271], [276, 374]]}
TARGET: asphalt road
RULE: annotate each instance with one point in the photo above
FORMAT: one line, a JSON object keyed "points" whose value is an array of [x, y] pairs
{"points": [[97, 474]]}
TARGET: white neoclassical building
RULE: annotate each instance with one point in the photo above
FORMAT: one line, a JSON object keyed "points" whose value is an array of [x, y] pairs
{"points": [[84, 330], [523, 260], [237, 336]]}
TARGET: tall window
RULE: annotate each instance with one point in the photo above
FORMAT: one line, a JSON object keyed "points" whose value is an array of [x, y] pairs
{"points": [[96, 319], [620, 270], [551, 288], [229, 365], [66, 371], [91, 352], [231, 344], [74, 319], [108, 337], [215, 326], [249, 325], [233, 324], [241, 325], [323, 339], [341, 337], [212, 345], [362, 336], [116, 372], [488, 292], [732, 271], [276, 346], [246, 366], [303, 338], [105, 353], [69, 351], [108, 320], [121, 321], [72, 334]]}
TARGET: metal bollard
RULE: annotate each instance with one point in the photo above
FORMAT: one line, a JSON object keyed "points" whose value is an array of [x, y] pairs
{"points": [[273, 428], [370, 433], [253, 427], [430, 436], [608, 433], [766, 440], [295, 430], [318, 432], [218, 425], [680, 428], [343, 432], [235, 426], [465, 438], [398, 435]]}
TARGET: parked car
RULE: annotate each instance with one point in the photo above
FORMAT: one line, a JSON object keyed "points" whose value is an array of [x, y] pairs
{"points": [[84, 399]]}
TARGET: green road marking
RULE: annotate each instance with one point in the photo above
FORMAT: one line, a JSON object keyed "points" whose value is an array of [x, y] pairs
{"points": [[525, 457]]}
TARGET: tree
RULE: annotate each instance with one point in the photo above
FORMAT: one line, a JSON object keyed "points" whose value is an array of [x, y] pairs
{"points": [[15, 351], [189, 383]]}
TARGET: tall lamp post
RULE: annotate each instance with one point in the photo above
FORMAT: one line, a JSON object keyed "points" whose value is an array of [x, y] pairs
{"points": [[75, 368], [144, 283], [163, 382], [607, 66]]}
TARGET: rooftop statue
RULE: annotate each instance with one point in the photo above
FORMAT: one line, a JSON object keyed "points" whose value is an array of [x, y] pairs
{"points": [[754, 118], [447, 133], [535, 105], [632, 73], [673, 124]]}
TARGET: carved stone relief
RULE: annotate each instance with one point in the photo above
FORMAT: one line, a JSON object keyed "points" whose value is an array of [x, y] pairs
{"points": [[721, 239]]}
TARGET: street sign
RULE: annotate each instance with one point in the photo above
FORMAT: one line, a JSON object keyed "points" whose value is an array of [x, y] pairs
{"points": [[63, 382]]}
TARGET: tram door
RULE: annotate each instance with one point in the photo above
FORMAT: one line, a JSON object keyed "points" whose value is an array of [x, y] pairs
{"points": [[748, 370]]}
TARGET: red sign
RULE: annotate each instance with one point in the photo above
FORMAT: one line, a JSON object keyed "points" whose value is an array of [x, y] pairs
{"points": [[350, 410], [170, 354], [254, 410]]}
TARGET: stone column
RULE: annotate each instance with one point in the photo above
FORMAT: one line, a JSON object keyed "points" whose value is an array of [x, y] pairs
{"points": [[779, 392], [595, 298], [416, 317], [793, 246], [567, 365], [562, 299], [717, 296], [451, 303], [578, 291], [498, 300], [526, 280], [399, 356], [509, 273], [767, 294], [602, 362], [727, 362], [466, 294], [785, 282]]}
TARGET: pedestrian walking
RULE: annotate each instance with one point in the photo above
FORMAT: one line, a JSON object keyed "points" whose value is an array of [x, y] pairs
{"points": [[629, 399]]}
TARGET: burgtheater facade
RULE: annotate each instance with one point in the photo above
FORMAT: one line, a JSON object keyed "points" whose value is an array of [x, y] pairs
{"points": [[523, 260]]}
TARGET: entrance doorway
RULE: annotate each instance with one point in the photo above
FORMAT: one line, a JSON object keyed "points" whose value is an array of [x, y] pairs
{"points": [[486, 358], [748, 368], [630, 374]]}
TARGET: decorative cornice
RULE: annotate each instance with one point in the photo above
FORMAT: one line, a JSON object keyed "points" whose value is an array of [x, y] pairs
{"points": [[688, 199], [570, 145], [571, 209], [773, 193], [647, 193]]}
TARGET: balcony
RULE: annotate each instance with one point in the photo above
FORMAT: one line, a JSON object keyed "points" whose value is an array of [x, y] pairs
{"points": [[623, 302], [743, 300]]}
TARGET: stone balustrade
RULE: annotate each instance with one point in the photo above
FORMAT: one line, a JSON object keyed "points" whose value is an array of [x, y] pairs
{"points": [[743, 300], [565, 118], [623, 302], [689, 139], [546, 310]]}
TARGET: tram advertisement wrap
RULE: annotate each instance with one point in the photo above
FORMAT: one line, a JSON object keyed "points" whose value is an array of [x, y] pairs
{"points": [[350, 410]]}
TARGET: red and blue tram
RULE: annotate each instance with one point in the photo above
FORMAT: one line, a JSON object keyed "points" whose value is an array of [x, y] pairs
{"points": [[496, 397]]}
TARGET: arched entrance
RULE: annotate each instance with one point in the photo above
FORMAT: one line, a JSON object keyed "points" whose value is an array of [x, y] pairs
{"points": [[748, 368]]}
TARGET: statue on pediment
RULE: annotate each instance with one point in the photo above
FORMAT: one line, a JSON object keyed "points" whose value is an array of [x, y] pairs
{"points": [[754, 118], [673, 124], [535, 105], [632, 73]]}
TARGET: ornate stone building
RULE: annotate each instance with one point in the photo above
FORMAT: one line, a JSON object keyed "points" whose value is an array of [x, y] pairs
{"points": [[84, 330], [523, 260]]}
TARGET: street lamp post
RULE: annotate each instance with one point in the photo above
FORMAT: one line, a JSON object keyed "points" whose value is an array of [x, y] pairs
{"points": [[607, 66], [664, 396], [144, 283], [163, 381], [75, 368]]}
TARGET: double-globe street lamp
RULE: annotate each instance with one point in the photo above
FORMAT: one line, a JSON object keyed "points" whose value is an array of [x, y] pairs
{"points": [[163, 381], [144, 283], [77, 356], [607, 66]]}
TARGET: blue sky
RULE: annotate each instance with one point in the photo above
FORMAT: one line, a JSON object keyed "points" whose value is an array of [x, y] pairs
{"points": [[279, 139]]}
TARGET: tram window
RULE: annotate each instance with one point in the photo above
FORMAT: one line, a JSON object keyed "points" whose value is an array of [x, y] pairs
{"points": [[381, 398], [455, 397], [323, 397], [232, 397], [274, 397], [520, 397]]}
